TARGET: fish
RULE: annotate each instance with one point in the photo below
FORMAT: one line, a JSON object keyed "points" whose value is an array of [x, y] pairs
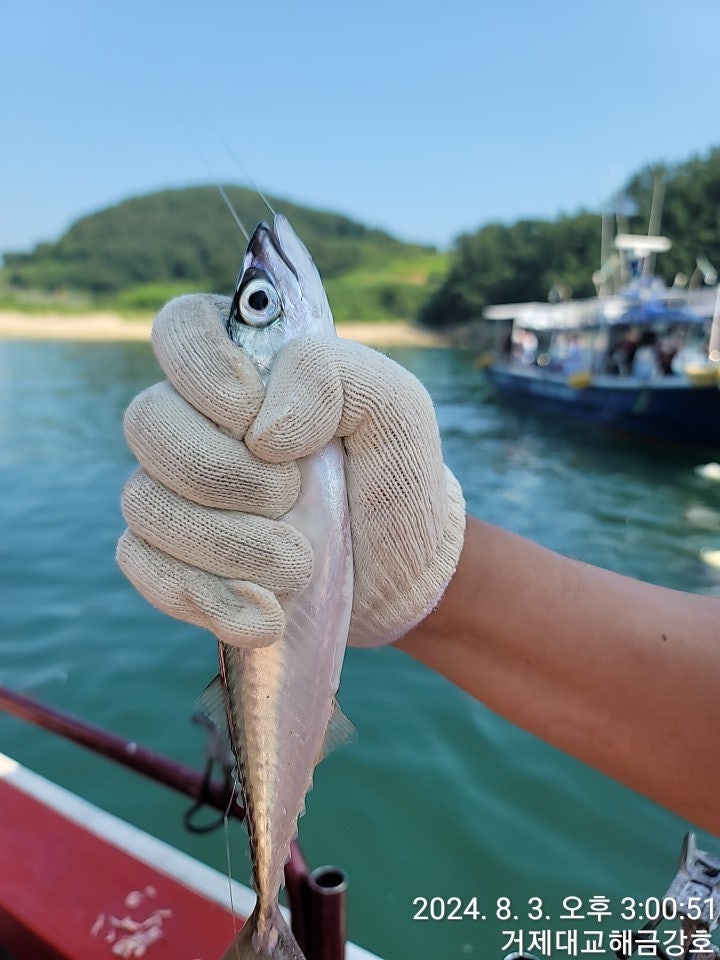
{"points": [[279, 701]]}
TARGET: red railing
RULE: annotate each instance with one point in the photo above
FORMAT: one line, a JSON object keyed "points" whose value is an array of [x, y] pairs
{"points": [[316, 900]]}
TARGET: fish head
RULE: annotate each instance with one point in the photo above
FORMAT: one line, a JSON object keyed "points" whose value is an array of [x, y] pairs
{"points": [[279, 295]]}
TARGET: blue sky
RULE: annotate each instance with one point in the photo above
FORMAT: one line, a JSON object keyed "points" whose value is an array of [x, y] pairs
{"points": [[424, 118]]}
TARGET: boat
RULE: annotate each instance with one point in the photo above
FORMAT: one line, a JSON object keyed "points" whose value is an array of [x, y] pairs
{"points": [[644, 360], [78, 883]]}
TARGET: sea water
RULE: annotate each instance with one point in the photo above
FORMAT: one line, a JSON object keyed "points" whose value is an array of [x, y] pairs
{"points": [[441, 813]]}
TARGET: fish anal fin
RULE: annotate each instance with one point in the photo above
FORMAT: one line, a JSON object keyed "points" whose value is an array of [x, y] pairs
{"points": [[339, 731]]}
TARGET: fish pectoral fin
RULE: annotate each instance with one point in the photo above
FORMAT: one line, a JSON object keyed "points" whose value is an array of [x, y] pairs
{"points": [[340, 730]]}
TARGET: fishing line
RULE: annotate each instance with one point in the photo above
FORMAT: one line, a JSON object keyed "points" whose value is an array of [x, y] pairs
{"points": [[244, 169], [205, 162], [216, 182], [203, 159], [238, 161], [226, 832]]}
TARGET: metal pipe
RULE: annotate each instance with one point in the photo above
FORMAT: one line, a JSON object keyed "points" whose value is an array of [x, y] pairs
{"points": [[296, 888], [327, 910]]}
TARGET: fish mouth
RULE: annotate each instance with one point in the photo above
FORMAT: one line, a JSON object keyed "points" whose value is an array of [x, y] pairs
{"points": [[264, 236], [263, 247]]}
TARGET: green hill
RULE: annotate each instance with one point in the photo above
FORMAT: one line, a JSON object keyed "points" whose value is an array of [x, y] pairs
{"points": [[137, 254]]}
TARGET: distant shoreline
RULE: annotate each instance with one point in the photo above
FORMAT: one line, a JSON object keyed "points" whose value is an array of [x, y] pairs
{"points": [[15, 325]]}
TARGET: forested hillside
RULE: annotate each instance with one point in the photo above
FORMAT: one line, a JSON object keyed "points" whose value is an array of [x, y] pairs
{"points": [[142, 251], [506, 263]]}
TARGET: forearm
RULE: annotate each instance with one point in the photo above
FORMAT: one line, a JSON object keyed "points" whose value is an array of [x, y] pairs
{"points": [[621, 674]]}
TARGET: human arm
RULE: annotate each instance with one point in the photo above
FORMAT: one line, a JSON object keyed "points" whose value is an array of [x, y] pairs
{"points": [[621, 674]]}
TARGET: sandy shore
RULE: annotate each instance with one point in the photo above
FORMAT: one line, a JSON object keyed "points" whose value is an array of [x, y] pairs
{"points": [[109, 326]]}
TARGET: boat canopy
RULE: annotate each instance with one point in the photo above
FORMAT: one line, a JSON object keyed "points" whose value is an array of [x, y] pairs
{"points": [[664, 306], [654, 312]]}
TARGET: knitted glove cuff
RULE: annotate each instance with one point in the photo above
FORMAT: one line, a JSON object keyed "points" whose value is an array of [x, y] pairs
{"points": [[398, 611]]}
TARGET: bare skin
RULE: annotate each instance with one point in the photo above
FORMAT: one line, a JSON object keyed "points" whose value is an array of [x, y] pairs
{"points": [[621, 674]]}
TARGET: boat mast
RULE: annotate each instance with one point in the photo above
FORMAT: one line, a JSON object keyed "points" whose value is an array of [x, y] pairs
{"points": [[621, 227], [605, 274], [656, 208]]}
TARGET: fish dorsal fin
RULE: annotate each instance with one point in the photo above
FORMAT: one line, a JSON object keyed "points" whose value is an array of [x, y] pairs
{"points": [[340, 730], [213, 711]]}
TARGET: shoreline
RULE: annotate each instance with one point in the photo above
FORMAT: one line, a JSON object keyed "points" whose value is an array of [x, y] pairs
{"points": [[104, 327]]}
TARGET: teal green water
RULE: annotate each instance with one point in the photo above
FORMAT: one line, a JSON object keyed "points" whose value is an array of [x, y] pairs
{"points": [[439, 797]]}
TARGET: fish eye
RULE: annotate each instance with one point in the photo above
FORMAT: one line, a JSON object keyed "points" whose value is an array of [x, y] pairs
{"points": [[259, 303]]}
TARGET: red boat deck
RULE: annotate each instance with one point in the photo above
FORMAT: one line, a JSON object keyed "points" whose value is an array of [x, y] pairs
{"points": [[68, 892]]}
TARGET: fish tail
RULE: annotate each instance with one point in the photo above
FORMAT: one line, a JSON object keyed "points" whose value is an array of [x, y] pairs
{"points": [[266, 939]]}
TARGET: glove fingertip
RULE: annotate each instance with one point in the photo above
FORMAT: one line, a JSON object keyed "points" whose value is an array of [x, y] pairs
{"points": [[121, 550], [237, 612], [303, 404], [283, 436], [203, 364], [260, 620]]}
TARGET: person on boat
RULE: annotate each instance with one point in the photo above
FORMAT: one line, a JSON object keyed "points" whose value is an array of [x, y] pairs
{"points": [[645, 362], [667, 348], [623, 352], [622, 674], [577, 358], [527, 347]]}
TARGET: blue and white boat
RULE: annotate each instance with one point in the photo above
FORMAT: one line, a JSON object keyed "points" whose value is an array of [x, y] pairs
{"points": [[644, 361]]}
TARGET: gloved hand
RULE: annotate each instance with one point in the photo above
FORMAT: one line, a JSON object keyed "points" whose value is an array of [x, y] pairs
{"points": [[207, 543]]}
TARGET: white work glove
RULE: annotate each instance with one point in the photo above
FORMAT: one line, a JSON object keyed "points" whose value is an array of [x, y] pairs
{"points": [[206, 543]]}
